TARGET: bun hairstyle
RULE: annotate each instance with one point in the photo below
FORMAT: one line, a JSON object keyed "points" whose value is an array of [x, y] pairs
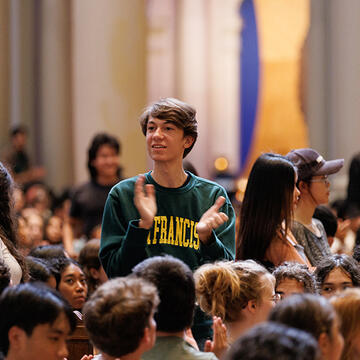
{"points": [[224, 288]]}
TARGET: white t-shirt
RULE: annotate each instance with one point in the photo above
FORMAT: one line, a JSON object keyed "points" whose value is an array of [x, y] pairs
{"points": [[10, 261]]}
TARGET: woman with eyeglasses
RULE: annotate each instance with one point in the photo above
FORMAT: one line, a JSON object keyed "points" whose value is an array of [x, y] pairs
{"points": [[314, 186], [240, 293]]}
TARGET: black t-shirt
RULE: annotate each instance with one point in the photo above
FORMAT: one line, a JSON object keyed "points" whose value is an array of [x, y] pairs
{"points": [[88, 203]]}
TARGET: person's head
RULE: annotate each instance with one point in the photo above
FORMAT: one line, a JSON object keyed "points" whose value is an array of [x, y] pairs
{"points": [[48, 252], [172, 112], [269, 200], [313, 172], [35, 323], [54, 230], [314, 314], [336, 273], [5, 277], [347, 306], [119, 316], [103, 156], [70, 281], [40, 270], [328, 219], [271, 340], [235, 290], [293, 278], [175, 284], [18, 136], [90, 262], [35, 228]]}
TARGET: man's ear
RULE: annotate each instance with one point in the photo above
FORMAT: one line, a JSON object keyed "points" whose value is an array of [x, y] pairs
{"points": [[189, 140], [147, 341], [95, 274], [16, 337], [303, 186]]}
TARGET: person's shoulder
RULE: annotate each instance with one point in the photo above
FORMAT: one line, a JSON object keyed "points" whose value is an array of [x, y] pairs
{"points": [[124, 185], [208, 183], [194, 354]]}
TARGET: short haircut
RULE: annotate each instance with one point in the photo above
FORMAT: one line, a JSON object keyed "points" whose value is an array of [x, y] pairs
{"points": [[341, 261], [298, 272], [48, 252], [327, 218], [347, 306], [5, 276], [19, 129], [29, 305], [39, 269], [269, 341], [117, 314], [178, 112], [175, 284], [98, 141], [224, 288], [308, 312]]}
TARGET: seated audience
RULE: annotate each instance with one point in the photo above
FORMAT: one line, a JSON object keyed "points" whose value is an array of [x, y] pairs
{"points": [[266, 212], [240, 293], [293, 278], [175, 284], [35, 323], [347, 306], [314, 314], [314, 186], [119, 318], [270, 341], [70, 282], [329, 221], [5, 276], [336, 273], [90, 262]]}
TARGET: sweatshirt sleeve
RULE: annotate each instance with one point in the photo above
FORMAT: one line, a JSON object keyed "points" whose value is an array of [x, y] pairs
{"points": [[222, 245], [122, 241]]}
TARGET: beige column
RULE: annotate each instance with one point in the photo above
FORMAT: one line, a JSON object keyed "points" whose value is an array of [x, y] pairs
{"points": [[109, 78], [4, 71], [55, 92]]}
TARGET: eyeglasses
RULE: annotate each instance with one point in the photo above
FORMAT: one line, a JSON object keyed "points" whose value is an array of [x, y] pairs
{"points": [[276, 298], [324, 179]]}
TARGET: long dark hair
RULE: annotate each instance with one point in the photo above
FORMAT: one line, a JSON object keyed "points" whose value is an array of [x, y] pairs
{"points": [[7, 218], [267, 203]]}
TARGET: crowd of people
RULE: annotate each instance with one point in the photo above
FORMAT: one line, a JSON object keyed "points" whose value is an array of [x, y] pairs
{"points": [[161, 266]]}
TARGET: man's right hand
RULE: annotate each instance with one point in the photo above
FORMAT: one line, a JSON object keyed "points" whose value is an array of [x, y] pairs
{"points": [[145, 202]]}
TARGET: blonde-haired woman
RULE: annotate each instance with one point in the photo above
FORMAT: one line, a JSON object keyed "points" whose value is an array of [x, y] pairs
{"points": [[240, 293], [347, 306]]}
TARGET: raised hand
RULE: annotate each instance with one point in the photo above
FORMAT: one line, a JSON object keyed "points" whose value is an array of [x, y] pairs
{"points": [[220, 343], [211, 220], [145, 202]]}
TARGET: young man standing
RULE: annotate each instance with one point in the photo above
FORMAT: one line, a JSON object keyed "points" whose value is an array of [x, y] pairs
{"points": [[35, 323], [167, 210]]}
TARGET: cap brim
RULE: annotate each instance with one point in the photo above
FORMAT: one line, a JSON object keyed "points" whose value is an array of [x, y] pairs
{"points": [[330, 167]]}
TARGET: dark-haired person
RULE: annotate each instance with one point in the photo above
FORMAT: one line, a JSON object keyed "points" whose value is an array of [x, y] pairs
{"points": [[8, 238], [294, 278], [271, 340], [329, 221], [40, 270], [176, 287], [88, 200], [314, 186], [266, 212], [167, 210], [119, 318], [35, 323], [70, 282], [17, 159], [314, 314], [336, 273]]}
